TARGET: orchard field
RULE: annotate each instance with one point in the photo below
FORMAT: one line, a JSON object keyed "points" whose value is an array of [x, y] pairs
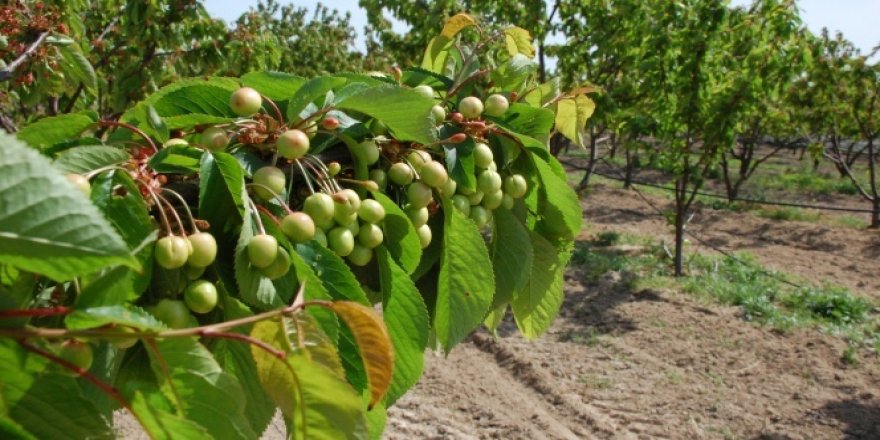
{"points": [[570, 219]]}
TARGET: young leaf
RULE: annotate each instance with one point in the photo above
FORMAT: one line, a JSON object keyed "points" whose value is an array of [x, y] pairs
{"points": [[277, 86], [465, 285], [334, 273], [407, 320], [46, 225], [558, 204], [572, 115], [309, 92], [222, 194], [177, 159], [373, 344], [163, 424]]}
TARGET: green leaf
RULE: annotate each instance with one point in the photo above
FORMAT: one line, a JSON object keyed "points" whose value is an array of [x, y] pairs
{"points": [[84, 159], [406, 317], [572, 115], [374, 345], [77, 66], [112, 287], [187, 99], [513, 75], [512, 256], [436, 54], [191, 378], [337, 278], [316, 401], [559, 206], [542, 94], [466, 284], [161, 424], [54, 130], [460, 163], [46, 225], [403, 110], [518, 41], [236, 359], [177, 159], [222, 192], [277, 86], [54, 407], [125, 315], [531, 121], [310, 91], [315, 290], [160, 129], [536, 306], [401, 239]]}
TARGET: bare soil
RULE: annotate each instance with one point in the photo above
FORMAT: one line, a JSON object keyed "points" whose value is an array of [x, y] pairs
{"points": [[661, 364]]}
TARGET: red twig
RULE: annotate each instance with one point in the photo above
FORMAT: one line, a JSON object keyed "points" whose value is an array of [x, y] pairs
{"points": [[268, 213], [105, 123], [245, 338], [274, 107], [36, 313]]}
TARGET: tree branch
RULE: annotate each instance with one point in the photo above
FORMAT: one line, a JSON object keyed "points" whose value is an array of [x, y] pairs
{"points": [[6, 74]]}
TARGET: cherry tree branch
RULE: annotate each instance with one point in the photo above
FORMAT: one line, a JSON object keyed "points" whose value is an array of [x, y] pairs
{"points": [[6, 74]]}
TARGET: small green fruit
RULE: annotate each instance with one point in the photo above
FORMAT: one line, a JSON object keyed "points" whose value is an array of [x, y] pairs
{"points": [[173, 313], [496, 105], [245, 101], [483, 156], [448, 188], [489, 181], [439, 114], [193, 273], [434, 174], [471, 107], [171, 252], [418, 216], [516, 185], [493, 200], [367, 151], [425, 235], [360, 255], [292, 144], [269, 182], [201, 296], [346, 202], [462, 203], [340, 241], [214, 139], [401, 174], [507, 201], [418, 158], [370, 235], [298, 226], [262, 250], [371, 211], [320, 207], [419, 194], [279, 267], [480, 215], [380, 177], [204, 248], [425, 90], [77, 353]]}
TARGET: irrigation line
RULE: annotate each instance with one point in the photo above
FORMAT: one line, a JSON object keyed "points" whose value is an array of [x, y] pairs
{"points": [[719, 196], [716, 248]]}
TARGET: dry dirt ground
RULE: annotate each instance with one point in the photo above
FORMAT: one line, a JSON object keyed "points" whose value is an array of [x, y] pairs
{"points": [[660, 364]]}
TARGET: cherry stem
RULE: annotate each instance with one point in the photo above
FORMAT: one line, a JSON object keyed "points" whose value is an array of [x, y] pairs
{"points": [[140, 132], [306, 176], [256, 214], [274, 195], [324, 171], [274, 107], [247, 339], [176, 215], [268, 213], [106, 388], [192, 219], [162, 213], [36, 313], [313, 116]]}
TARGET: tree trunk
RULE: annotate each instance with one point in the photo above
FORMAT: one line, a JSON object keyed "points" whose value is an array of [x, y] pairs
{"points": [[875, 216], [631, 158], [591, 164], [680, 212]]}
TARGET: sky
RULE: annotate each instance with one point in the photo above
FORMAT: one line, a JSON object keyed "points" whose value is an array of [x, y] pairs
{"points": [[857, 19]]}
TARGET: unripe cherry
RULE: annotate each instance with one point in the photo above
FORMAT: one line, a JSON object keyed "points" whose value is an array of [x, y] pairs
{"points": [[341, 241], [367, 151], [424, 90], [493, 200], [425, 235], [438, 113], [419, 194], [214, 139], [418, 158], [401, 174], [370, 235], [480, 215], [483, 156], [245, 101], [462, 203], [204, 248], [279, 267], [346, 201], [269, 181], [262, 250], [471, 107], [171, 252], [320, 207], [201, 296], [418, 216], [476, 197], [496, 105], [489, 181], [507, 201], [360, 255], [516, 185], [434, 174], [334, 168], [448, 188], [380, 177], [298, 226], [292, 144], [371, 211]]}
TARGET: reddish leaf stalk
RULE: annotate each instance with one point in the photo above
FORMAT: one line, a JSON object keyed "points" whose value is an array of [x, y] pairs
{"points": [[35, 313]]}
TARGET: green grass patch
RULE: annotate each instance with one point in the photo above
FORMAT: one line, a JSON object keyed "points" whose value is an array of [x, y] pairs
{"points": [[763, 296]]}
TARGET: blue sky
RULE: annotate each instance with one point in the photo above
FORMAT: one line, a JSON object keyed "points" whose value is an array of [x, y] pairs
{"points": [[857, 19]]}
